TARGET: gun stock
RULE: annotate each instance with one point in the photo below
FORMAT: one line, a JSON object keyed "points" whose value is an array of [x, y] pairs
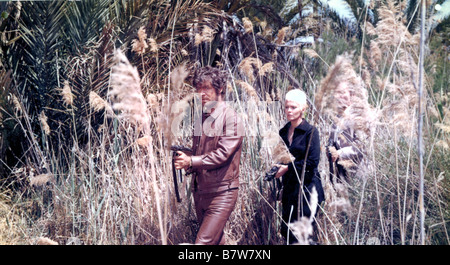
{"points": [[175, 149]]}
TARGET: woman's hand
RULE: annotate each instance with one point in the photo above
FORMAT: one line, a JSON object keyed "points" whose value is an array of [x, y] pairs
{"points": [[182, 161], [283, 169], [334, 153]]}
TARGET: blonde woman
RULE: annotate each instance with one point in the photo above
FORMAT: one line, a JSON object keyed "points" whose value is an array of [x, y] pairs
{"points": [[303, 142]]}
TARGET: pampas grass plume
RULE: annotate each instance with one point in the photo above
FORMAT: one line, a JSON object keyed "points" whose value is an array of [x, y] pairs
{"points": [[248, 66], [97, 103], [177, 77], [311, 53], [266, 69], [44, 124], [125, 93], [144, 141], [46, 241], [207, 35], [248, 88], [16, 103], [40, 180], [67, 94], [281, 35], [153, 45], [139, 45], [248, 26]]}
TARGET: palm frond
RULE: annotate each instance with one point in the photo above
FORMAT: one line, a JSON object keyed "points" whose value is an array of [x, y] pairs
{"points": [[342, 9], [85, 20], [34, 57]]}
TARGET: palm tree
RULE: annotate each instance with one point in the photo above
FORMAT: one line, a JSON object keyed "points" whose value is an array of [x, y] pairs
{"points": [[347, 14]]}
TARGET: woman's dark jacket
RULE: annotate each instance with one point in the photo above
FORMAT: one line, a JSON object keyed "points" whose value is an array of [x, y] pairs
{"points": [[291, 185]]}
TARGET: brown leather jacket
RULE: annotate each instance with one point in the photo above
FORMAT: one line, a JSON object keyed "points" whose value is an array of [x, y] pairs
{"points": [[217, 151]]}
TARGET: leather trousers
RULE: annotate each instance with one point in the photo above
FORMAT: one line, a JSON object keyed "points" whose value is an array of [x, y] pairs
{"points": [[213, 211]]}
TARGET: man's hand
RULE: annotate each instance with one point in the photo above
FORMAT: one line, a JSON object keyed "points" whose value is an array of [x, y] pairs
{"points": [[283, 169], [182, 161]]}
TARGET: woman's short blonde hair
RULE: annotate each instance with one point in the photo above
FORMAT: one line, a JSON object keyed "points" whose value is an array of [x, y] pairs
{"points": [[298, 96]]}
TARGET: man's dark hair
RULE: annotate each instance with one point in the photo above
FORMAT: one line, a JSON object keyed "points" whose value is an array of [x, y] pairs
{"points": [[217, 77]]}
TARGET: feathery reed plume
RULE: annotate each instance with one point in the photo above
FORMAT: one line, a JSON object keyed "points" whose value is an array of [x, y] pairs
{"points": [[303, 228], [44, 124], [248, 88], [98, 104], [333, 151], [67, 94], [152, 101], [280, 152], [343, 94], [207, 35], [267, 68], [248, 67], [375, 55], [178, 111], [281, 35], [16, 103], [178, 76], [173, 114], [390, 29], [153, 45], [125, 93], [144, 141], [311, 53], [341, 203], [263, 24], [40, 180], [277, 149], [46, 241], [127, 97], [139, 45], [370, 29], [399, 97], [248, 26]]}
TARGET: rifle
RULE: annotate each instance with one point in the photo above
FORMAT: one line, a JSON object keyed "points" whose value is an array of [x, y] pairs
{"points": [[270, 175], [175, 149]]}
